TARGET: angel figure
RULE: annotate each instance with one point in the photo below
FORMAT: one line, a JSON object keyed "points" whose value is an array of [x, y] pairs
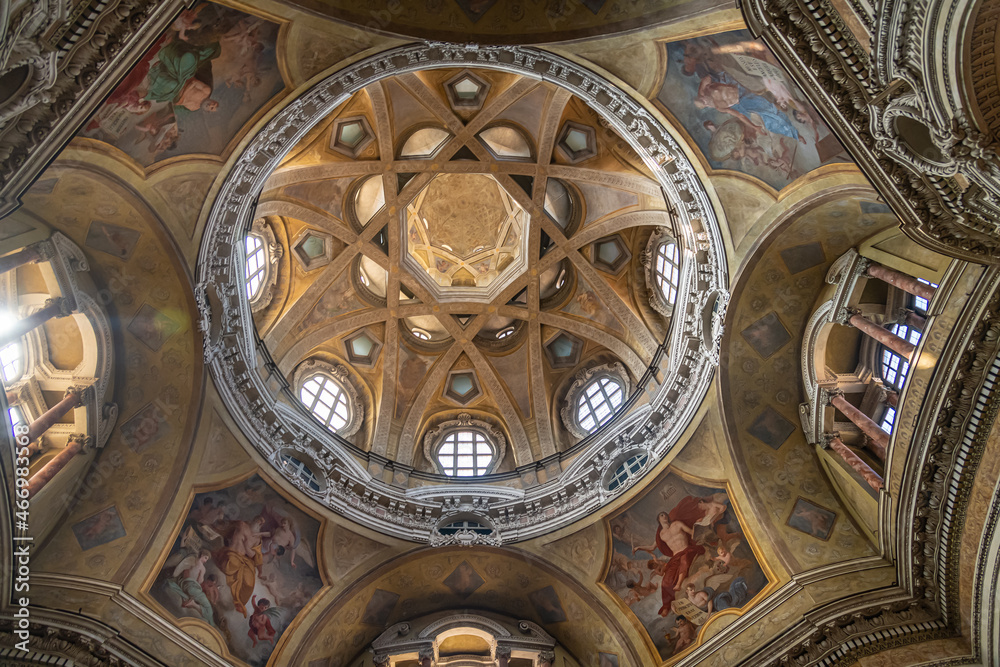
{"points": [[261, 629], [285, 537]]}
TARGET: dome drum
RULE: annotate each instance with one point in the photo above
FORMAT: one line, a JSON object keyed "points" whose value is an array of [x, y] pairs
{"points": [[677, 370]]}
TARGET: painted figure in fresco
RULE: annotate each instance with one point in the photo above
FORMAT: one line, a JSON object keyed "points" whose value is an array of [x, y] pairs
{"points": [[209, 513], [283, 536], [187, 581], [261, 629], [701, 599], [242, 560], [722, 92], [673, 540], [182, 76], [685, 632]]}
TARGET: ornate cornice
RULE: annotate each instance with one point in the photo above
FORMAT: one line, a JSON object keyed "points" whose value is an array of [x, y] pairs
{"points": [[72, 54], [271, 417], [916, 143]]}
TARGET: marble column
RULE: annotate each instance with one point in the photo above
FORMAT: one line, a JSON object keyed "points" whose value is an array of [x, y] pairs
{"points": [[28, 255], [503, 656], [850, 458], [901, 280], [426, 657], [892, 398], [74, 446], [878, 440], [903, 348], [58, 307], [72, 399]]}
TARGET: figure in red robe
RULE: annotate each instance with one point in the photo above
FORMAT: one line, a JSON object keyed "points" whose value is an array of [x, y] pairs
{"points": [[674, 540]]}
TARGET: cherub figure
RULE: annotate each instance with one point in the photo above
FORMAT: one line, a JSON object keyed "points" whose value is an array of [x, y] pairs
{"points": [[260, 621], [686, 632]]}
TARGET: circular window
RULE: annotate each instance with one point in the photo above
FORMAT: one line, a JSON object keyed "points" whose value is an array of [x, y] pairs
{"points": [[465, 453], [326, 399], [11, 362], [597, 402]]}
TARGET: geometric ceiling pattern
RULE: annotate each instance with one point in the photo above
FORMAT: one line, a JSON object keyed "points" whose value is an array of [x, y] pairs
{"points": [[439, 219]]}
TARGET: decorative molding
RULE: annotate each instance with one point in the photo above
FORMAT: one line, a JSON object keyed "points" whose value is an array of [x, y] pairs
{"points": [[914, 137], [73, 54]]}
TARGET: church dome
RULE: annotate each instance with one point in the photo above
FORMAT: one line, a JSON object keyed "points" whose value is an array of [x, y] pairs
{"points": [[449, 307]]}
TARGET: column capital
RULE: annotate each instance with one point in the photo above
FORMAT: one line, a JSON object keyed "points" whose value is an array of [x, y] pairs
{"points": [[65, 305], [828, 438], [844, 315], [83, 439], [83, 391], [503, 652], [44, 249], [547, 655], [831, 394], [381, 660]]}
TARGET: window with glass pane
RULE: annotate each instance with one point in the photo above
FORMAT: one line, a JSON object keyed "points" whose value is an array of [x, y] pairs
{"points": [[327, 400], [630, 468], [16, 416], [597, 403], [895, 367], [304, 472], [465, 454], [888, 419], [466, 524], [920, 304], [668, 270], [256, 257], [11, 362]]}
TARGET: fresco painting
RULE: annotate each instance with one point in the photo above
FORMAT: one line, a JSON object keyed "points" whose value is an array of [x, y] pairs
{"points": [[101, 528], [244, 563], [206, 76], [743, 111], [679, 555], [812, 519]]}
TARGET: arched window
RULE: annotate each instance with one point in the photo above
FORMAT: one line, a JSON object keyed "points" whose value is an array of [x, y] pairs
{"points": [[895, 367], [667, 270], [503, 333], [301, 470], [420, 333], [465, 453], [598, 401], [327, 400], [256, 269], [11, 362], [628, 469]]}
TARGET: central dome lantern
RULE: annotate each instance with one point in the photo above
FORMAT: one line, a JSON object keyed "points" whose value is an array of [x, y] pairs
{"points": [[466, 237]]}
